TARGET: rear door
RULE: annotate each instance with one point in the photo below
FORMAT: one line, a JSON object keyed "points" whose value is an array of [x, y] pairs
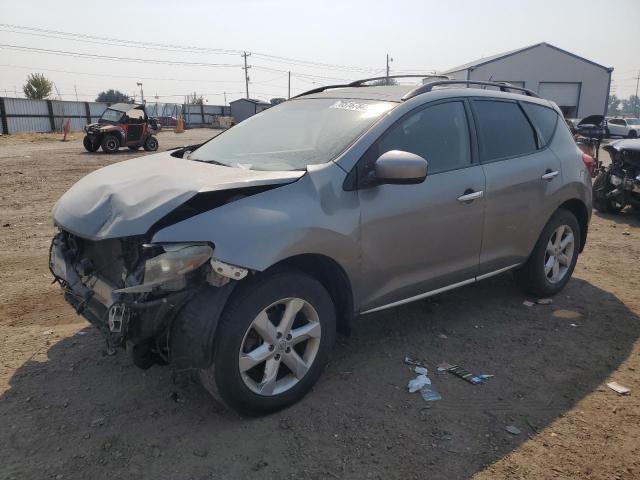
{"points": [[420, 238], [522, 177]]}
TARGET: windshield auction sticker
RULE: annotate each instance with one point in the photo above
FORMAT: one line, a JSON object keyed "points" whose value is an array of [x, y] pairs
{"points": [[356, 107]]}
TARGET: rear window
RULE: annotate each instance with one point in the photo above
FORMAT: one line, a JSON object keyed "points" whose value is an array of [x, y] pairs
{"points": [[503, 129], [544, 119]]}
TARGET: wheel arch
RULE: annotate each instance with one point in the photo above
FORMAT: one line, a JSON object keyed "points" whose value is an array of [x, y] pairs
{"points": [[580, 211], [332, 277]]}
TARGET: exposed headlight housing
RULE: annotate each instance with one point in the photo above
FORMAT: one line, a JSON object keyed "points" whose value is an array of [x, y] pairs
{"points": [[167, 271]]}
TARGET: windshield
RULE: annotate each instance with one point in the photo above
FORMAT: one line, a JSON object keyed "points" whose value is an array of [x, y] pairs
{"points": [[293, 134], [111, 115]]}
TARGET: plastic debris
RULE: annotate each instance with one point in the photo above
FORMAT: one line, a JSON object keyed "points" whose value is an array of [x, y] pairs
{"points": [[616, 387], [512, 430], [417, 383], [421, 371], [465, 374], [574, 325], [528, 303], [485, 376], [413, 361], [429, 394], [443, 336], [81, 333], [544, 301], [443, 367]]}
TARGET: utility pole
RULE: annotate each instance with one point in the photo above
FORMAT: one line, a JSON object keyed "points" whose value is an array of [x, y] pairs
{"points": [[289, 87], [225, 99], [246, 71], [141, 92], [76, 90], [389, 59]]}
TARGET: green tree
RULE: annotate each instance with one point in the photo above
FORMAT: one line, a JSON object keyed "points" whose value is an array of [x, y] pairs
{"points": [[113, 96], [613, 107], [195, 99], [37, 87]]}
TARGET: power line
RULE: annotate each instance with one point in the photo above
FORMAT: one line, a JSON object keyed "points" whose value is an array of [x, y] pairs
{"points": [[115, 58], [134, 77], [169, 47], [123, 41]]}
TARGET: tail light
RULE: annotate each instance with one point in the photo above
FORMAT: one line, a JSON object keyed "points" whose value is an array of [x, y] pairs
{"points": [[588, 162]]}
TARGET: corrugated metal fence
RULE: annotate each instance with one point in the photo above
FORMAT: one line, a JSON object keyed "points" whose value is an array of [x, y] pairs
{"points": [[23, 115]]}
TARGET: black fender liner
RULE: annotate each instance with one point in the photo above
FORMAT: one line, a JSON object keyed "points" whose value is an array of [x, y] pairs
{"points": [[192, 334]]}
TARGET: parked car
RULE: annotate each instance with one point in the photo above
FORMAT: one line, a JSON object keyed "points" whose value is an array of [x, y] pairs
{"points": [[624, 127], [593, 126], [122, 125], [244, 258]]}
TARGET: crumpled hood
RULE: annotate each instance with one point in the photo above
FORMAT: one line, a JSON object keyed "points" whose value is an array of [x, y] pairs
{"points": [[127, 198]]}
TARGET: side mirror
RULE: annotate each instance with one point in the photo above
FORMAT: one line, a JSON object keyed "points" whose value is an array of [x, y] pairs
{"points": [[399, 167]]}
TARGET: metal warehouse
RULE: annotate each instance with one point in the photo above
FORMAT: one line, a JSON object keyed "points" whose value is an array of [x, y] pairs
{"points": [[579, 86], [244, 108]]}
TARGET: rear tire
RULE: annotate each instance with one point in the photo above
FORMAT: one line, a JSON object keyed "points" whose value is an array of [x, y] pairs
{"points": [[151, 144], [538, 276], [601, 187], [110, 144], [90, 145], [633, 134], [257, 312]]}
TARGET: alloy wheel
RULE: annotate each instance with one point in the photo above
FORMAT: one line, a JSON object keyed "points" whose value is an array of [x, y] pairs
{"points": [[279, 346], [559, 253]]}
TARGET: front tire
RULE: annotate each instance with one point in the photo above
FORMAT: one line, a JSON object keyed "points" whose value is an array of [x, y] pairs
{"points": [[633, 134], [89, 144], [151, 144], [554, 256], [110, 144], [273, 342]]}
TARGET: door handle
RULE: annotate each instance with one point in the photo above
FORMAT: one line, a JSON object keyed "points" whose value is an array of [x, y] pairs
{"points": [[469, 196], [550, 175]]}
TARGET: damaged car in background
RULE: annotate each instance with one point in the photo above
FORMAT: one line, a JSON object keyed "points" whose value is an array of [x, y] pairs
{"points": [[618, 184], [242, 257]]}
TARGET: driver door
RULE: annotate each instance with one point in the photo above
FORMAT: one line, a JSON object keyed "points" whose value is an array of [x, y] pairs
{"points": [[417, 239], [135, 125]]}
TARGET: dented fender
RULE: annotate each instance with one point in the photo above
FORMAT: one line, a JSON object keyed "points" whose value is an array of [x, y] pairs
{"points": [[261, 230]]}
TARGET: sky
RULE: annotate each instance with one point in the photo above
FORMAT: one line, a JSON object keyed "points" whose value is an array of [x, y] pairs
{"points": [[318, 42]]}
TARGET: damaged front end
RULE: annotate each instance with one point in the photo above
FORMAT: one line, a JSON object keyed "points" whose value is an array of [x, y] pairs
{"points": [[134, 293]]}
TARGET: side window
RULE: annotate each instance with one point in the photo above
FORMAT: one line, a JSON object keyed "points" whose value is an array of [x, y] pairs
{"points": [[503, 129], [135, 116], [438, 133], [544, 120]]}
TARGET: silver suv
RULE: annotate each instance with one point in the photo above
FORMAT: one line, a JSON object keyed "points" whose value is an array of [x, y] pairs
{"points": [[240, 258]]}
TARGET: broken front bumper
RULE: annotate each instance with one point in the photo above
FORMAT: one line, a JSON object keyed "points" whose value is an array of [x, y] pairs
{"points": [[120, 318]]}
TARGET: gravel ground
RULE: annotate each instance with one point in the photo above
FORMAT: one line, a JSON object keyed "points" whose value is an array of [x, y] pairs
{"points": [[68, 411]]}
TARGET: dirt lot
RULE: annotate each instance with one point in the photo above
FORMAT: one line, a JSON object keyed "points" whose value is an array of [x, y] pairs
{"points": [[68, 411]]}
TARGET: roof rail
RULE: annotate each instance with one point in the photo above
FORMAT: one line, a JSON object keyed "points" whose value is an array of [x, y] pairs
{"points": [[362, 82], [504, 87]]}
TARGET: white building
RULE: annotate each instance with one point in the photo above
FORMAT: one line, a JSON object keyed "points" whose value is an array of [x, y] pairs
{"points": [[579, 86]]}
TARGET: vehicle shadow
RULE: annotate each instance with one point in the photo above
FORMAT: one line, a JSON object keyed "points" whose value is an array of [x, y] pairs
{"points": [[81, 414], [629, 217]]}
